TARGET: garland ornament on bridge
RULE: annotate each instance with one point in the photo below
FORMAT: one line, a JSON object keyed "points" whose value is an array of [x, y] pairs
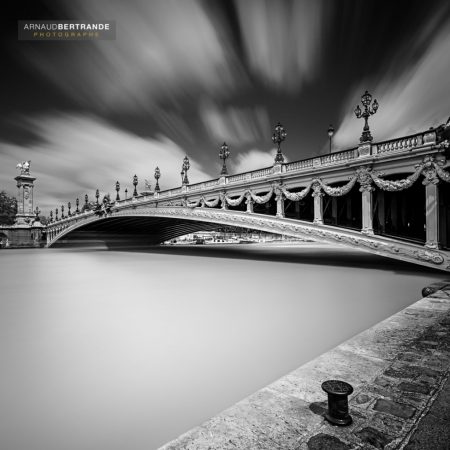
{"points": [[296, 196], [237, 201], [397, 185], [431, 168], [225, 199], [210, 203], [338, 191], [261, 199]]}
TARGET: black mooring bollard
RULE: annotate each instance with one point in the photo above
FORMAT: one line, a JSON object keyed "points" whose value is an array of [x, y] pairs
{"points": [[338, 392]]}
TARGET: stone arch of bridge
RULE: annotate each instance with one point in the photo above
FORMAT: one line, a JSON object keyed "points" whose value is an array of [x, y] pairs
{"points": [[150, 225], [156, 225], [153, 226]]}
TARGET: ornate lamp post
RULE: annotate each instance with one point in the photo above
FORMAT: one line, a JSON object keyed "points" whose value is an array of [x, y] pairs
{"points": [[117, 190], [330, 134], [182, 174], [37, 212], [86, 201], [366, 100], [224, 153], [62, 212], [56, 215], [157, 177], [77, 202], [186, 167], [69, 205], [278, 137], [97, 195], [51, 216], [135, 182], [126, 193]]}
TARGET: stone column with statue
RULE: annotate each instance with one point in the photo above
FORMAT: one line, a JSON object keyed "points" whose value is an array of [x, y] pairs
{"points": [[25, 185]]}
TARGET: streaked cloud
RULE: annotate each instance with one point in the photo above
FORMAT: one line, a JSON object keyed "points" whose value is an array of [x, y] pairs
{"points": [[236, 126], [252, 160], [78, 154], [164, 50], [282, 39], [412, 102]]}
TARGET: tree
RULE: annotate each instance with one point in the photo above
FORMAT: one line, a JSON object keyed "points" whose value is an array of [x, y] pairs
{"points": [[8, 208]]}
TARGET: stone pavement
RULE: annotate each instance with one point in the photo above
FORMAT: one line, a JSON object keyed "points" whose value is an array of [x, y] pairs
{"points": [[433, 430], [400, 373]]}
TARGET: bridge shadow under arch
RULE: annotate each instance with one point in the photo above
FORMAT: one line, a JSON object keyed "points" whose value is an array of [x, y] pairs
{"points": [[312, 254], [129, 231], [144, 233]]}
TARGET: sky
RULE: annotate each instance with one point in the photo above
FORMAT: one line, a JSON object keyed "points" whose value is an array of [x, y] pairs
{"points": [[183, 76]]}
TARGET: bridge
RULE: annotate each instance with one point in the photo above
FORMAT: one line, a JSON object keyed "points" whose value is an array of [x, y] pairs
{"points": [[389, 198]]}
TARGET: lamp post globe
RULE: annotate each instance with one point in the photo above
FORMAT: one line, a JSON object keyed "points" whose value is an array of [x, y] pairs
{"points": [[366, 100], [135, 182], [185, 168], [224, 153], [330, 134], [277, 138], [157, 177]]}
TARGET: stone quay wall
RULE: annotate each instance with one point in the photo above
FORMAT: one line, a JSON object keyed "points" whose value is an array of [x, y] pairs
{"points": [[399, 369]]}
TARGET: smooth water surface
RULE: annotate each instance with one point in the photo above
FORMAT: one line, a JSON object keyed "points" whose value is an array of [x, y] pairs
{"points": [[128, 349]]}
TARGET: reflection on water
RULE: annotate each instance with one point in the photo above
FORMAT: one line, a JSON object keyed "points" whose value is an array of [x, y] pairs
{"points": [[128, 349]]}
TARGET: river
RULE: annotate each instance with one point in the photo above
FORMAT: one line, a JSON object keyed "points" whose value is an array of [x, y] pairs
{"points": [[128, 349]]}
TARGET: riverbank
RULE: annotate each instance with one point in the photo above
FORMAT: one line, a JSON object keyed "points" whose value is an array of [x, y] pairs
{"points": [[399, 370]]}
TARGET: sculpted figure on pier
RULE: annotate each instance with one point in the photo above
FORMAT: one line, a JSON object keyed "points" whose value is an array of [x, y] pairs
{"points": [[24, 167]]}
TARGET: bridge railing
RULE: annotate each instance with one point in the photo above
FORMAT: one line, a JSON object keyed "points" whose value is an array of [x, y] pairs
{"points": [[239, 177], [403, 144], [332, 158], [406, 143], [339, 157]]}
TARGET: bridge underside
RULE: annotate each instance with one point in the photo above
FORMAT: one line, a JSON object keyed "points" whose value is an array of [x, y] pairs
{"points": [[149, 226], [123, 231]]}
